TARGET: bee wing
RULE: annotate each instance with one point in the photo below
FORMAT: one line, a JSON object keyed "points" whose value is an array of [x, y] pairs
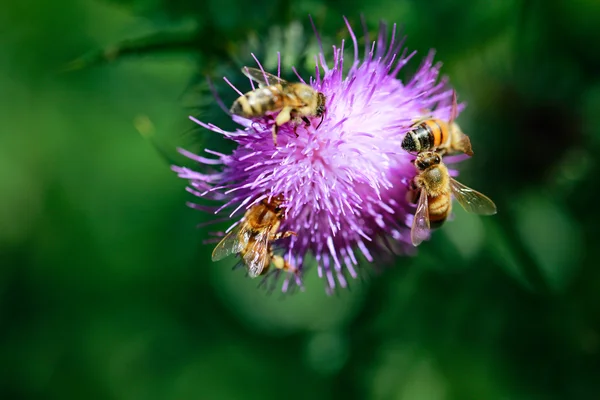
{"points": [[454, 109], [263, 78], [420, 226], [461, 141], [232, 243], [257, 255], [471, 200]]}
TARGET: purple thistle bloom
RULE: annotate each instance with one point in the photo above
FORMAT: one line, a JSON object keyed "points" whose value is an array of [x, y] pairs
{"points": [[345, 183]]}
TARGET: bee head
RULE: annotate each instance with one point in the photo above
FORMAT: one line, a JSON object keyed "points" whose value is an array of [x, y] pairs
{"points": [[427, 159], [320, 104], [275, 204], [279, 211]]}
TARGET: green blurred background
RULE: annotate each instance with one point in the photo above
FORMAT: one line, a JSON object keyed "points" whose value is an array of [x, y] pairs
{"points": [[106, 291]]}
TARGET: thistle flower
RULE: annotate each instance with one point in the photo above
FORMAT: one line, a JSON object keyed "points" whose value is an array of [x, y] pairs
{"points": [[345, 182]]}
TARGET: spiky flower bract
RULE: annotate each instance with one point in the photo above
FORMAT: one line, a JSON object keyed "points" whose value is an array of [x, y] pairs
{"points": [[344, 179]]}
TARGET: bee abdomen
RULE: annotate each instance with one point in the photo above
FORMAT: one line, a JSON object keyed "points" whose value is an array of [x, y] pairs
{"points": [[425, 136], [439, 208], [242, 107], [255, 103]]}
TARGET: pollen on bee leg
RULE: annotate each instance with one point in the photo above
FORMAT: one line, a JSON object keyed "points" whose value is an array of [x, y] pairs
{"points": [[281, 264], [283, 235], [285, 115], [278, 262]]}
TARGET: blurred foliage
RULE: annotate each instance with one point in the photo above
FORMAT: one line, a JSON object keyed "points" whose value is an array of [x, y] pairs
{"points": [[106, 291]]}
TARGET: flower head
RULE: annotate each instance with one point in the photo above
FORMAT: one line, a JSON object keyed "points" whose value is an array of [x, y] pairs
{"points": [[344, 179]]}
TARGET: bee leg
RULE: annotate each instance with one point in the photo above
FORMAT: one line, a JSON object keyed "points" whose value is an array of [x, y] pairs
{"points": [[322, 116], [282, 235], [285, 115], [274, 133], [265, 270], [412, 195], [280, 263], [298, 121]]}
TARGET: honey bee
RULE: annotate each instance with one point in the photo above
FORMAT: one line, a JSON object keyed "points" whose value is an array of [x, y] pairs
{"points": [[294, 101], [252, 238], [436, 187], [435, 134]]}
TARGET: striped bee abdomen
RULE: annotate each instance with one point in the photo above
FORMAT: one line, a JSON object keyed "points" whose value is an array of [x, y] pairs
{"points": [[439, 209], [427, 135], [257, 102]]}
